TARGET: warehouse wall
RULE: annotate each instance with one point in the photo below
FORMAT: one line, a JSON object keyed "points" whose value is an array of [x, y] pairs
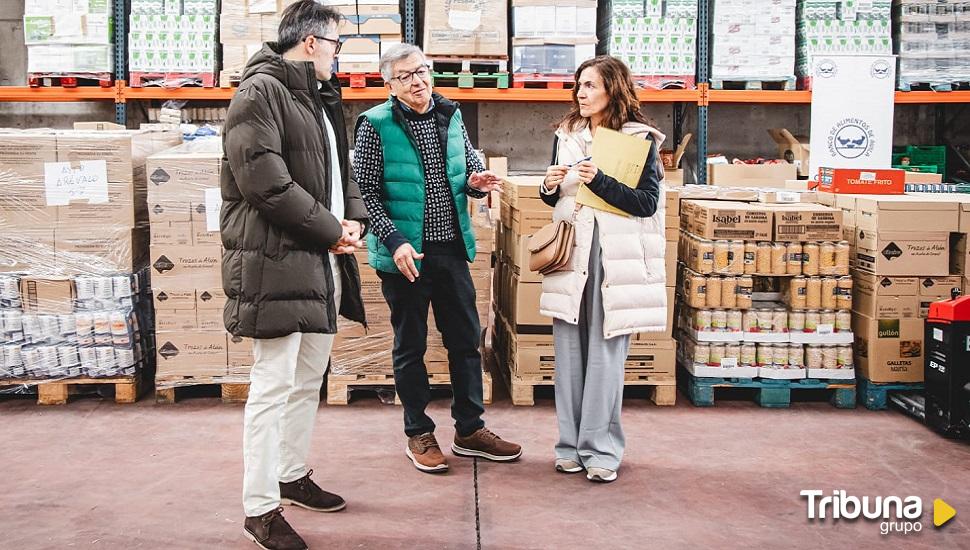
{"points": [[13, 72]]}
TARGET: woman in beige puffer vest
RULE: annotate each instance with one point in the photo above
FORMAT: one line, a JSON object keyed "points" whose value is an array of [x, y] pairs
{"points": [[616, 284]]}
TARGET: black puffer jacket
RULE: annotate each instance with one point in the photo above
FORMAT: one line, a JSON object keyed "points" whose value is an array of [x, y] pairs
{"points": [[276, 221]]}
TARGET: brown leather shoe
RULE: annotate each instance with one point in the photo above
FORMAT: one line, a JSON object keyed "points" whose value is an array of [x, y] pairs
{"points": [[425, 454], [306, 494], [483, 443], [271, 532]]}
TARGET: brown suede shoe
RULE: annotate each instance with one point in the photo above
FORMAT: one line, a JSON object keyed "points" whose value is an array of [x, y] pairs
{"points": [[483, 443], [271, 532], [425, 454], [306, 494]]}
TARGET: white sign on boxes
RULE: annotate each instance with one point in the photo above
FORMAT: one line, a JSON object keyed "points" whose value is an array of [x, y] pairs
{"points": [[852, 111]]}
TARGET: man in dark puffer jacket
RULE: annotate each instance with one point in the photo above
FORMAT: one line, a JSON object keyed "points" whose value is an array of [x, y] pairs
{"points": [[291, 219]]}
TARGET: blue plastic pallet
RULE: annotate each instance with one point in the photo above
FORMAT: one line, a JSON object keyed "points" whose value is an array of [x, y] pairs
{"points": [[771, 394], [875, 396]]}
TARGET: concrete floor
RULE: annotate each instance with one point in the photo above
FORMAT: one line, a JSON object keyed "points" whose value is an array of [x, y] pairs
{"points": [[93, 474]]}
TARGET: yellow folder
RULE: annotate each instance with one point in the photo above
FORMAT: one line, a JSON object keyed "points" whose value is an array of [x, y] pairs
{"points": [[619, 156]]}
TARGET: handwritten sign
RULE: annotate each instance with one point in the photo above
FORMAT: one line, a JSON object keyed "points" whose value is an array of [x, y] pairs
{"points": [[213, 205], [64, 183]]}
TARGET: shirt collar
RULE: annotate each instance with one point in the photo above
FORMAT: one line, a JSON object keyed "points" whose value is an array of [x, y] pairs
{"points": [[410, 110]]}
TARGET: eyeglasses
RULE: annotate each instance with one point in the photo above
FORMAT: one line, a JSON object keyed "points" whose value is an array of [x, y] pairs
{"points": [[421, 72], [337, 44]]}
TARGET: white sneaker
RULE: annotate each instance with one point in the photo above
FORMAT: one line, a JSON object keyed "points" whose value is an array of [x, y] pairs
{"points": [[566, 466], [601, 475]]}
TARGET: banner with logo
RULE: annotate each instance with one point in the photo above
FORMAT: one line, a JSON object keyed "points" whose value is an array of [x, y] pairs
{"points": [[852, 111]]}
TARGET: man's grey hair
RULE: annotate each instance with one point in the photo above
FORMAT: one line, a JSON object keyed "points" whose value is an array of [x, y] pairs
{"points": [[395, 54], [303, 19]]}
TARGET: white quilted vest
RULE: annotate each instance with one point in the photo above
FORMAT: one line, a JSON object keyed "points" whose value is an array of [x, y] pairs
{"points": [[634, 283]]}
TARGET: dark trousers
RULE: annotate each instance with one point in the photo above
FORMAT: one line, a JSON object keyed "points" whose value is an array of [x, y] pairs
{"points": [[446, 284]]}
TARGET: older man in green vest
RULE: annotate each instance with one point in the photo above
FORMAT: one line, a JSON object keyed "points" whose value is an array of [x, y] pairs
{"points": [[416, 169]]}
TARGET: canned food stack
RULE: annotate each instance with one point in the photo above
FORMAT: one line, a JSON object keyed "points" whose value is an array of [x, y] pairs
{"points": [[172, 43], [772, 298], [841, 27], [73, 251], [184, 201], [657, 39], [930, 40], [909, 251]]}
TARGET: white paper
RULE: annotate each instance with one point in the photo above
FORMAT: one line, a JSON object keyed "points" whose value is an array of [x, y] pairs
{"points": [[64, 183], [213, 205], [852, 111], [826, 329], [464, 20], [729, 362]]}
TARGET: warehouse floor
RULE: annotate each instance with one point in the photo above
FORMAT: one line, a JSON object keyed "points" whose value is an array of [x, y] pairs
{"points": [[100, 475]]}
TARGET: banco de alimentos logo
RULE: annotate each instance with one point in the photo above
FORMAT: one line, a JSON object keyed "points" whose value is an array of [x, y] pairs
{"points": [[896, 515]]}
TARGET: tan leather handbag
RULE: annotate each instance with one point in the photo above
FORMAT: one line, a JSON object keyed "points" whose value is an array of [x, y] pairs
{"points": [[551, 247]]}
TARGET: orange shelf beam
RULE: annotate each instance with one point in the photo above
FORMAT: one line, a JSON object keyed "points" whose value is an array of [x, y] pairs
{"points": [[759, 96], [57, 93], [933, 97]]}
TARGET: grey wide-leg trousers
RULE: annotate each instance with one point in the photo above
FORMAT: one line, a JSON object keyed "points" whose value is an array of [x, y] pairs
{"points": [[589, 379]]}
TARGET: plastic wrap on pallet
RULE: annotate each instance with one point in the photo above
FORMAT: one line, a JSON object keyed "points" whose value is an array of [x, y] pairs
{"points": [[753, 40], [931, 40], [841, 27], [173, 38], [72, 39], [74, 294], [653, 38]]}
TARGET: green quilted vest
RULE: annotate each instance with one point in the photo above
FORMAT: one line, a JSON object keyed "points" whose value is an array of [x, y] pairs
{"points": [[404, 184]]}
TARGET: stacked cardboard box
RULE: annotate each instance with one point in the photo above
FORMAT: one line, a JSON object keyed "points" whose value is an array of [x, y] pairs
{"points": [[172, 36], [73, 248], [653, 38], [902, 260], [752, 293], [753, 40], [466, 28], [65, 39], [186, 260], [552, 37], [841, 27]]}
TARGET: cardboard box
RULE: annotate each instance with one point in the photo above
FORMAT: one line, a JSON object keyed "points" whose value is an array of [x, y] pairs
{"points": [[211, 319], [115, 148], [466, 27], [182, 174], [171, 234], [936, 289], [376, 23], [176, 320], [906, 213], [889, 350], [727, 220], [652, 357], [170, 299], [903, 253], [884, 181], [163, 212], [923, 177], [794, 149], [885, 297], [23, 250], [47, 295], [751, 175], [524, 303], [123, 209], [806, 222], [23, 156], [201, 235], [105, 251], [522, 192], [356, 44], [212, 297], [186, 267], [187, 350], [240, 351]]}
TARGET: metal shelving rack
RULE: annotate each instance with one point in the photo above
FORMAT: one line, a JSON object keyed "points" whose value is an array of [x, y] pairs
{"points": [[703, 97]]}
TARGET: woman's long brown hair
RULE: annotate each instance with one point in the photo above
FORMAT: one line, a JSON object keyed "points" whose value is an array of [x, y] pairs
{"points": [[623, 105]]}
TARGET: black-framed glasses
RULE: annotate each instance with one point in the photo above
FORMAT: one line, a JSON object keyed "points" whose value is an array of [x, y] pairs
{"points": [[421, 72], [337, 44]]}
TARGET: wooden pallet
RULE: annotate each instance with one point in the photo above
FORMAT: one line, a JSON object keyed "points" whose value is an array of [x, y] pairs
{"points": [[127, 389], [875, 396], [339, 386], [662, 388], [935, 86], [232, 389], [361, 80], [543, 81], [138, 79], [665, 82], [742, 84], [769, 394], [68, 80]]}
